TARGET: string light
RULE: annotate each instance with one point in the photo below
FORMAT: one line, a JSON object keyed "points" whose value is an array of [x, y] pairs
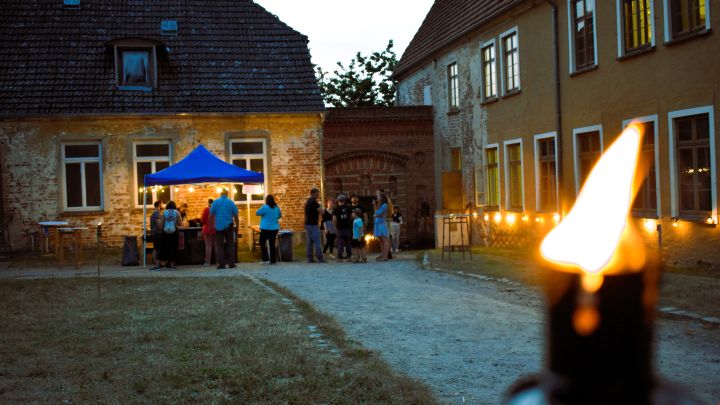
{"points": [[191, 189], [486, 217], [511, 219], [649, 225], [525, 218], [497, 218], [556, 217]]}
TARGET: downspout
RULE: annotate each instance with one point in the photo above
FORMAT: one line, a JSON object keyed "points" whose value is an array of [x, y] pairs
{"points": [[558, 107]]}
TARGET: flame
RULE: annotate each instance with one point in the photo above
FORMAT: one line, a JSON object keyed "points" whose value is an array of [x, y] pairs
{"points": [[590, 235]]}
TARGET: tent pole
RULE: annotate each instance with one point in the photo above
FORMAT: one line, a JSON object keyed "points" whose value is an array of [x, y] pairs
{"points": [[145, 224]]}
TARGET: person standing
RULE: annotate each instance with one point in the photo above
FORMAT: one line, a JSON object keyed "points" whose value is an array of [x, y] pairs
{"points": [[313, 209], [381, 230], [358, 241], [355, 204], [269, 215], [342, 218], [208, 232], [330, 230], [226, 220], [170, 235], [397, 221], [156, 232]]}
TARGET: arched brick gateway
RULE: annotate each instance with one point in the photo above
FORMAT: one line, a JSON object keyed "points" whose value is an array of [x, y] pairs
{"points": [[383, 147]]}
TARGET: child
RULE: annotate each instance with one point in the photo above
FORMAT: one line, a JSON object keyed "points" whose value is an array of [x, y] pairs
{"points": [[397, 220], [358, 242]]}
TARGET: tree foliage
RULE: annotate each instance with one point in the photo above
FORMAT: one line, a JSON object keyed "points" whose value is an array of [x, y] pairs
{"points": [[366, 81]]}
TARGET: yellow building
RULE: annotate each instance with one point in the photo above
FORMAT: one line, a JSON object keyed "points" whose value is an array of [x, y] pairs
{"points": [[529, 93]]}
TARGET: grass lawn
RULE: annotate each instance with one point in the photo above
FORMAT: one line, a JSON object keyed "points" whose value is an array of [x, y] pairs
{"points": [[170, 340], [691, 288]]}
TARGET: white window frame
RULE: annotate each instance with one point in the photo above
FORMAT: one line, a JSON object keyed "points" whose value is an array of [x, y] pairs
{"points": [[451, 97], [571, 37], [507, 143], [495, 146], [654, 120], [576, 160], [668, 23], [503, 76], [674, 209], [621, 51], [537, 139], [248, 156], [82, 161], [153, 159], [483, 82]]}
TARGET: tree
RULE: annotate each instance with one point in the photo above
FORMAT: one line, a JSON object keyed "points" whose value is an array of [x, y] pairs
{"points": [[366, 81]]}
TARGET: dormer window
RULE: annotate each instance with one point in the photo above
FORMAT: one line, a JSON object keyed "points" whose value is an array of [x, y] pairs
{"points": [[135, 67], [135, 64]]}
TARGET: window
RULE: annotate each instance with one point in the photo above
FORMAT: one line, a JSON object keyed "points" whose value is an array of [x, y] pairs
{"points": [[582, 34], [489, 72], [148, 158], [249, 154], [685, 17], [636, 25], [511, 61], [513, 162], [453, 94], [427, 95], [692, 143], [546, 173], [135, 66], [493, 178], [82, 174], [646, 201], [588, 148]]}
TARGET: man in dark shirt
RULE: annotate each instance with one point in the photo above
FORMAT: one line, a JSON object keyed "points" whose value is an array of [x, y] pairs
{"points": [[313, 209], [355, 204], [342, 218]]}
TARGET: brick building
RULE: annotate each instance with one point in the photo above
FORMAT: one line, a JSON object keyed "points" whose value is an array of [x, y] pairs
{"points": [[365, 149], [527, 95], [96, 95]]}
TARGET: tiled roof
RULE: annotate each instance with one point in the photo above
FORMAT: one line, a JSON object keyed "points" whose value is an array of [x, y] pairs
{"points": [[447, 21], [228, 56]]}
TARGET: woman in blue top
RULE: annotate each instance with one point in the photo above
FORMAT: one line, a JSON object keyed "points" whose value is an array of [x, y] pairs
{"points": [[269, 226], [381, 230]]}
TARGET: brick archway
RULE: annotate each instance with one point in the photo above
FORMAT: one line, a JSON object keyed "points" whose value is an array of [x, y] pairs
{"points": [[362, 172]]}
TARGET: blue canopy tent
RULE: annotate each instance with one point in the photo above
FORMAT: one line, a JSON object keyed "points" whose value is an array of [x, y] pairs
{"points": [[200, 166]]}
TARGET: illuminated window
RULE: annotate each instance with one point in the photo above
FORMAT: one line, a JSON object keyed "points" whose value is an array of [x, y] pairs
{"points": [[511, 61], [82, 174], [687, 17], [453, 91], [493, 178], [148, 158], [637, 24], [582, 23], [513, 167], [249, 154], [694, 173], [547, 174], [489, 72]]}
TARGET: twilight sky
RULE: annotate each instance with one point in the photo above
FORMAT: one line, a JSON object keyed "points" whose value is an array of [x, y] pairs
{"points": [[338, 29]]}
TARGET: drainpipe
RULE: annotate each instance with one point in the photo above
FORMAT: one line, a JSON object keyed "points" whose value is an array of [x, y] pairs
{"points": [[558, 106]]}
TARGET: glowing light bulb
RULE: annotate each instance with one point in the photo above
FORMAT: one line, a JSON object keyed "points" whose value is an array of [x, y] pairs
{"points": [[218, 189], [497, 218], [649, 225], [511, 219], [177, 189], [556, 217], [486, 217], [525, 218]]}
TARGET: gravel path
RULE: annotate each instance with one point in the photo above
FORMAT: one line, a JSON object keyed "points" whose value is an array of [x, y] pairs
{"points": [[469, 339]]}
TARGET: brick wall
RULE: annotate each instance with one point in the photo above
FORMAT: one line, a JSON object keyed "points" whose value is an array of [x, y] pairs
{"points": [[382, 147], [32, 171]]}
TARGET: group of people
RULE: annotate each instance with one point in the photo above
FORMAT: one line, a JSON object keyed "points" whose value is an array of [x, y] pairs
{"points": [[219, 230], [343, 222]]}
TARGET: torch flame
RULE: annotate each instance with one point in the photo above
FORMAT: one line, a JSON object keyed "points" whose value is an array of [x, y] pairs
{"points": [[589, 236]]}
